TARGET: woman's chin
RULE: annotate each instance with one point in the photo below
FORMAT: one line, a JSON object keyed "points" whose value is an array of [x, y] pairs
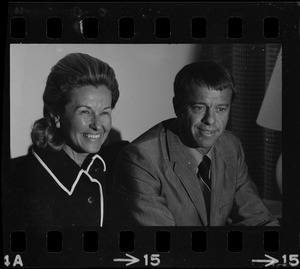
{"points": [[93, 150]]}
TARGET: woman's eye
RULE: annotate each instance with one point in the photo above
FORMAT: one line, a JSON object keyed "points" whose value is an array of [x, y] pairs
{"points": [[105, 113], [85, 112]]}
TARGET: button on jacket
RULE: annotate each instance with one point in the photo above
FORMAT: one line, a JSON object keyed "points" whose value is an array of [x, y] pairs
{"points": [[48, 189]]}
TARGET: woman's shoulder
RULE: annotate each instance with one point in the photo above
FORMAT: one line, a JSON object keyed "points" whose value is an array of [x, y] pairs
{"points": [[21, 162], [26, 165]]}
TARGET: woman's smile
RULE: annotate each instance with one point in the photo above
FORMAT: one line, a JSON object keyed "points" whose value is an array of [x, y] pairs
{"points": [[92, 137]]}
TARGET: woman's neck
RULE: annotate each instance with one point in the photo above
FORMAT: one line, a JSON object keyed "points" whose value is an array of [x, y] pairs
{"points": [[75, 156]]}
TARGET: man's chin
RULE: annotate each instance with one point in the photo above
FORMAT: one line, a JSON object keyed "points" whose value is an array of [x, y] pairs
{"points": [[204, 143]]}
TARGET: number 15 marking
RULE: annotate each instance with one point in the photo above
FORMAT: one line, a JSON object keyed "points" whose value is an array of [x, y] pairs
{"points": [[154, 259], [292, 259]]}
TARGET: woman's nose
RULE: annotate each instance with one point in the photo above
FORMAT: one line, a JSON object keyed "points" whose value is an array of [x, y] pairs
{"points": [[96, 123]]}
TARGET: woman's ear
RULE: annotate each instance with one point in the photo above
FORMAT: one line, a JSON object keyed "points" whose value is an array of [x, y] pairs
{"points": [[56, 120]]}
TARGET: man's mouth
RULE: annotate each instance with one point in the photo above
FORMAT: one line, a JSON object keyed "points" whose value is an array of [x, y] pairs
{"points": [[207, 133]]}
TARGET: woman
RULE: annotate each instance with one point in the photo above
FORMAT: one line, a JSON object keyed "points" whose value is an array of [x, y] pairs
{"points": [[61, 182]]}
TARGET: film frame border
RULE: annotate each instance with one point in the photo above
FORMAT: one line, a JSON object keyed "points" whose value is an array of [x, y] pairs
{"points": [[216, 31]]}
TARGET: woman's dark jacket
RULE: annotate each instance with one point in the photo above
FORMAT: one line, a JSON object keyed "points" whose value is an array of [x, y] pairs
{"points": [[48, 189]]}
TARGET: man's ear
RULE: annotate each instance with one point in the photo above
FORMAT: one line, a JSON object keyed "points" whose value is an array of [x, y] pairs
{"points": [[177, 107], [56, 120]]}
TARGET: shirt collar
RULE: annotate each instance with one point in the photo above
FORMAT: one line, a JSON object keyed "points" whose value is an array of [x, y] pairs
{"points": [[196, 155], [64, 170]]}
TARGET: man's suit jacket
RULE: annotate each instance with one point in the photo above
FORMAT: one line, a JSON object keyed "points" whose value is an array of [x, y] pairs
{"points": [[156, 185]]}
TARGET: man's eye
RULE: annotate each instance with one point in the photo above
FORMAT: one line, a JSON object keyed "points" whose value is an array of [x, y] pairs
{"points": [[222, 109], [198, 108]]}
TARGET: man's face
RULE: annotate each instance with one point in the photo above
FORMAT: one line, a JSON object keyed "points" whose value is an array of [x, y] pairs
{"points": [[203, 114]]}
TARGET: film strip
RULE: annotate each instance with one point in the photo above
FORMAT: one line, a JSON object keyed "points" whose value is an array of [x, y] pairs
{"points": [[140, 41]]}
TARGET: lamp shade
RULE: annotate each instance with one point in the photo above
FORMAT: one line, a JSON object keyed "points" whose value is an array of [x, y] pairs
{"points": [[270, 113]]}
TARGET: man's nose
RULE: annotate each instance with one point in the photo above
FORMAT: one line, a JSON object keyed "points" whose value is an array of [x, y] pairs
{"points": [[96, 123], [209, 117]]}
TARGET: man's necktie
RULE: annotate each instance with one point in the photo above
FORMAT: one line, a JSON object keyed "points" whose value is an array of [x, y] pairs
{"points": [[203, 175]]}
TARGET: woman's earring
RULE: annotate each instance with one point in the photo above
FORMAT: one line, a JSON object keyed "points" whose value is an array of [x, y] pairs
{"points": [[57, 122]]}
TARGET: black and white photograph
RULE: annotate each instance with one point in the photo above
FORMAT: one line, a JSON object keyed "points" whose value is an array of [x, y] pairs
{"points": [[103, 133], [110, 145]]}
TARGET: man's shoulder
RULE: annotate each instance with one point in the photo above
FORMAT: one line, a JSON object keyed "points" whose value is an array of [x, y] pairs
{"points": [[152, 142], [228, 141], [230, 136], [153, 135]]}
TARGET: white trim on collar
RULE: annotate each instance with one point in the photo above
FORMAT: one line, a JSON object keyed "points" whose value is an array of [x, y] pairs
{"points": [[92, 161], [82, 171]]}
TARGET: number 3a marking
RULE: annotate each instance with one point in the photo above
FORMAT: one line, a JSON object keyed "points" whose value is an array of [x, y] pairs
{"points": [[154, 259]]}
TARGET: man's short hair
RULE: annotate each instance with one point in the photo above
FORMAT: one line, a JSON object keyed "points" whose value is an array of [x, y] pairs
{"points": [[208, 74]]}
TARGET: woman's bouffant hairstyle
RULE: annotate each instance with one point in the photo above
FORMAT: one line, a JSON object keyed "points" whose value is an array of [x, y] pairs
{"points": [[204, 73], [73, 71]]}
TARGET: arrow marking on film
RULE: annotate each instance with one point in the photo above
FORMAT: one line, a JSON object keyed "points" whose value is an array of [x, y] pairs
{"points": [[130, 261], [269, 262]]}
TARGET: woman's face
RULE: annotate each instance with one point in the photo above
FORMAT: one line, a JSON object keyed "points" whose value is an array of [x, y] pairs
{"points": [[86, 120]]}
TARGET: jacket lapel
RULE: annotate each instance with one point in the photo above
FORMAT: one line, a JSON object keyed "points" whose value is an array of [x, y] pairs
{"points": [[222, 177], [192, 187], [186, 174]]}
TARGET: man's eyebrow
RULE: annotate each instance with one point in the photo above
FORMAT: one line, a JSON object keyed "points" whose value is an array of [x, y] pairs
{"points": [[79, 106], [204, 104], [198, 103]]}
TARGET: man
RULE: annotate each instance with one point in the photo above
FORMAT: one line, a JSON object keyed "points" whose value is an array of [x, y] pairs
{"points": [[190, 171]]}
